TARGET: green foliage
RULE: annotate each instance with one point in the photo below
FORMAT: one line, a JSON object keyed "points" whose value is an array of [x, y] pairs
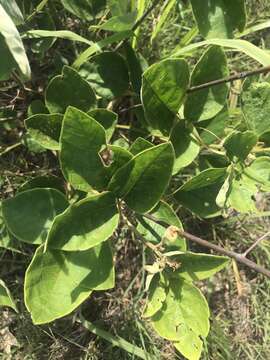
{"points": [[207, 103], [57, 282], [219, 18], [5, 296], [163, 92], [29, 215], [183, 317], [107, 73], [135, 145], [12, 48], [84, 224], [256, 104], [45, 129], [69, 89], [84, 9], [134, 181], [80, 160]]}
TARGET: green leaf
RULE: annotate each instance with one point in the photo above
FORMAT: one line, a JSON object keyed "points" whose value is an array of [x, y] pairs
{"points": [[224, 192], [97, 47], [7, 241], [7, 63], [84, 224], [118, 23], [135, 68], [199, 194], [139, 145], [219, 18], [244, 46], [190, 346], [155, 233], [144, 179], [107, 73], [13, 11], [195, 266], [259, 172], [57, 282], [156, 297], [69, 89], [118, 7], [183, 318], [81, 140], [118, 157], [164, 13], [242, 195], [256, 107], [14, 44], [6, 297], [59, 34], [37, 107], [45, 129], [44, 21], [45, 181], [207, 103], [107, 119], [163, 92], [29, 215], [185, 146], [213, 129], [85, 9], [239, 144]]}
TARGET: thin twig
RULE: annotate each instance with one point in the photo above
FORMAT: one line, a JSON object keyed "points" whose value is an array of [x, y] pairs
{"points": [[144, 16], [139, 21], [238, 257], [238, 76], [256, 243]]}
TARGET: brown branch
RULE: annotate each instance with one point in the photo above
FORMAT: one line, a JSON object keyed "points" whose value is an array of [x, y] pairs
{"points": [[256, 243], [230, 78], [238, 257]]}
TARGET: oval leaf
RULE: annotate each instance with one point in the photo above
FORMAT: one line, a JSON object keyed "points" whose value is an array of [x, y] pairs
{"points": [[207, 103], [199, 194], [256, 107], [194, 267], [45, 129], [57, 282], [183, 317], [14, 43], [29, 215], [107, 119], [163, 91], [85, 9], [108, 74], [81, 140], [6, 297], [84, 224], [185, 146], [69, 89], [144, 179], [219, 18], [239, 144]]}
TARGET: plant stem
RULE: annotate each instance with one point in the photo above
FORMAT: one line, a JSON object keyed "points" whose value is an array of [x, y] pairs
{"points": [[144, 16], [238, 76], [238, 257], [252, 247], [139, 21]]}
